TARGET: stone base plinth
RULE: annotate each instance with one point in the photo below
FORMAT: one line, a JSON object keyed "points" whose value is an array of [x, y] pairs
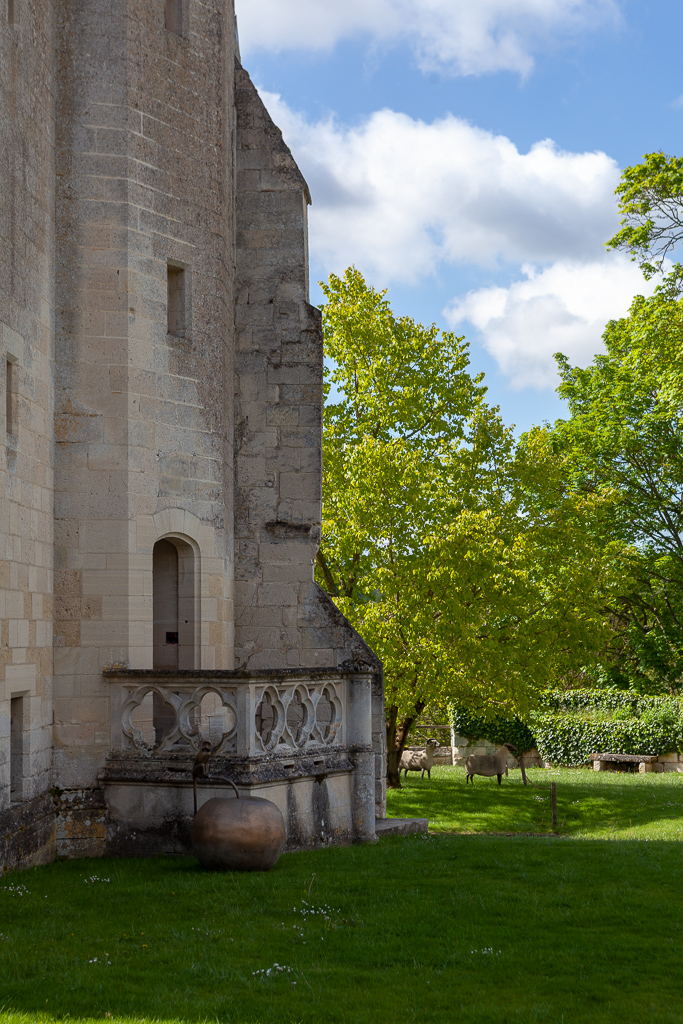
{"points": [[400, 826], [323, 796], [27, 834]]}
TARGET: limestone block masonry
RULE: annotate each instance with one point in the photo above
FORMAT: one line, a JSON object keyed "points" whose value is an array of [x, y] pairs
{"points": [[160, 490]]}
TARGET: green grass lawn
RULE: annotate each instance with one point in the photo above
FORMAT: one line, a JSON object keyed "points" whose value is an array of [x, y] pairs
{"points": [[590, 805], [460, 928]]}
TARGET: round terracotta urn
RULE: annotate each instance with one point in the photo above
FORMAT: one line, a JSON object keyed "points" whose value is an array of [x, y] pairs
{"points": [[245, 834]]}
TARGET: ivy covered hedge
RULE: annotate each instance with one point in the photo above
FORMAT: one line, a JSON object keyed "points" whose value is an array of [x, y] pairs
{"points": [[570, 725]]}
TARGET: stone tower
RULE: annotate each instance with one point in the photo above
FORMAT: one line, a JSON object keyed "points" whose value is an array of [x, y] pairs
{"points": [[160, 495]]}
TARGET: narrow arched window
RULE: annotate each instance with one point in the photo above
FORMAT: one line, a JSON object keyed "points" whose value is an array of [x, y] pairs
{"points": [[174, 610], [165, 604]]}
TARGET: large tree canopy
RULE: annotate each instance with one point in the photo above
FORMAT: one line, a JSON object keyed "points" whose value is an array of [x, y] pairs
{"points": [[624, 441], [455, 554]]}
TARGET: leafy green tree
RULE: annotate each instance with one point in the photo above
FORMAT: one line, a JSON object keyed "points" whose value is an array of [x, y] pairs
{"points": [[624, 442], [453, 553], [651, 201]]}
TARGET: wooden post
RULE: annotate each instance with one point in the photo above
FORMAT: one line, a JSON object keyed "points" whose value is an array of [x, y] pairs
{"points": [[553, 804]]}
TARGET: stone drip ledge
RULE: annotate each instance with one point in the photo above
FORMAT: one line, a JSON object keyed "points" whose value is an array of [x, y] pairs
{"points": [[177, 770]]}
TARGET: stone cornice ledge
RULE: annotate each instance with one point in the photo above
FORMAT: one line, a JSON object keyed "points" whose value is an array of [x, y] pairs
{"points": [[284, 675]]}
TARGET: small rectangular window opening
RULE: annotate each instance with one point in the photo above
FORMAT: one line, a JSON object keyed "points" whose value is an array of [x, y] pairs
{"points": [[173, 14], [11, 13], [172, 638], [16, 748], [176, 302], [10, 398]]}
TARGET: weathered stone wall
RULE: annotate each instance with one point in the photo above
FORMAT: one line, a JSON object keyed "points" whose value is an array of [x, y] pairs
{"points": [[143, 408], [278, 400], [27, 833], [282, 618], [166, 377], [27, 55], [462, 748]]}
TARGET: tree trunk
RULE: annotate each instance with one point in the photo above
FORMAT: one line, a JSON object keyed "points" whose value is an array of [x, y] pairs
{"points": [[397, 734], [520, 761], [393, 757]]}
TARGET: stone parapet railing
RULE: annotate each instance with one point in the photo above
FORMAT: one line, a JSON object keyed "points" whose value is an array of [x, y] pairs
{"points": [[302, 738], [288, 712]]}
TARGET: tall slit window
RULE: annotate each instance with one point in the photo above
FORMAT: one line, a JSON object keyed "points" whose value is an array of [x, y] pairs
{"points": [[177, 301], [10, 398], [12, 13], [16, 747], [173, 16]]}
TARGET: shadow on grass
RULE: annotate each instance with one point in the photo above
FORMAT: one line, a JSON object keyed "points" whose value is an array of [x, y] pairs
{"points": [[473, 929], [588, 803]]}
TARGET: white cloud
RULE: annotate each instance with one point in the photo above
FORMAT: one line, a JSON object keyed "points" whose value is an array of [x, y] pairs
{"points": [[463, 36], [400, 197], [562, 308], [403, 199]]}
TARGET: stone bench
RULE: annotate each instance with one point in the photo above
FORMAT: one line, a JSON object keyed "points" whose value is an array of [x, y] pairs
{"points": [[645, 762]]}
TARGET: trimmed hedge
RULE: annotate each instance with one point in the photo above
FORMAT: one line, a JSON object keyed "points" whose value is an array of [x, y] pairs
{"points": [[570, 725]]}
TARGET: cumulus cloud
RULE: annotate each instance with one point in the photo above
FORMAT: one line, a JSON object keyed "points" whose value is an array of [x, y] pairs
{"points": [[463, 36], [404, 199], [561, 308], [401, 197]]}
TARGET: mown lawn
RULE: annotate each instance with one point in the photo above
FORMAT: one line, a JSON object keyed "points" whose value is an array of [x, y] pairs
{"points": [[454, 927], [590, 805]]}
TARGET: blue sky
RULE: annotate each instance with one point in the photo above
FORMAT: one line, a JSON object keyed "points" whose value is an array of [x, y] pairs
{"points": [[464, 153]]}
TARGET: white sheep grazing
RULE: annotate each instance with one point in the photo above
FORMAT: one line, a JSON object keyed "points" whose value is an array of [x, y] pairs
{"points": [[419, 760], [489, 764]]}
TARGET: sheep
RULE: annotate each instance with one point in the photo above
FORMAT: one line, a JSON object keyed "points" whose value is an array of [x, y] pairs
{"points": [[419, 760], [489, 764]]}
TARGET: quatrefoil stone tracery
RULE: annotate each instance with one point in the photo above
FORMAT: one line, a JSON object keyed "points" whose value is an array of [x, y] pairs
{"points": [[299, 716], [185, 708]]}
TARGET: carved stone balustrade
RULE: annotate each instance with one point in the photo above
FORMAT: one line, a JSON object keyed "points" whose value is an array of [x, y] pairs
{"points": [[299, 737]]}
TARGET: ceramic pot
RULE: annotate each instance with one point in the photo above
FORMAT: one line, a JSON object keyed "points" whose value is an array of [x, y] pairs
{"points": [[245, 834]]}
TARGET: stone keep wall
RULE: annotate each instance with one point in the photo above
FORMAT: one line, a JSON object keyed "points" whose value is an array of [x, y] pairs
{"points": [[27, 55], [143, 416], [166, 377]]}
